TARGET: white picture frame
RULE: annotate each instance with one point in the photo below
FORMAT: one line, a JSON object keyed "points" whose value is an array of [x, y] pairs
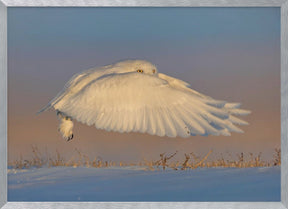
{"points": [[4, 4]]}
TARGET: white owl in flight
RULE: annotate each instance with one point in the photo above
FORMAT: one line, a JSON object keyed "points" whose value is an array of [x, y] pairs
{"points": [[132, 96]]}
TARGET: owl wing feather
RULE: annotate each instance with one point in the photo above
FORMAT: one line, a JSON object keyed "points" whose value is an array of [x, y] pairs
{"points": [[76, 83], [143, 103]]}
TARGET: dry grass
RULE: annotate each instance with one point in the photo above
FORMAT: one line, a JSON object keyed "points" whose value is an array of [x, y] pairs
{"points": [[190, 161]]}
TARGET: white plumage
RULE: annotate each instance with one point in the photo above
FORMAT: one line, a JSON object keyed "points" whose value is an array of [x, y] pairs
{"points": [[132, 96]]}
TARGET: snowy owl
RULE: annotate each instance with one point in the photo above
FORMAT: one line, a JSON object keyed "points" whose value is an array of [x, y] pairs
{"points": [[132, 96]]}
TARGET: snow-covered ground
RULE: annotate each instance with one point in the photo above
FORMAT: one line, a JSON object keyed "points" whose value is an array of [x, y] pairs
{"points": [[136, 184]]}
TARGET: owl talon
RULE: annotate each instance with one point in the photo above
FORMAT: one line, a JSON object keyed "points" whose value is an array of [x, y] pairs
{"points": [[70, 137], [65, 126]]}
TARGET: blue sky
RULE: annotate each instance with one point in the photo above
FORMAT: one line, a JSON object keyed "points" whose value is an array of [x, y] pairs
{"points": [[231, 54], [173, 26]]}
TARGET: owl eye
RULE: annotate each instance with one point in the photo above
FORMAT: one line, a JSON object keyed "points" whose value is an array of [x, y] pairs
{"points": [[139, 71], [153, 71]]}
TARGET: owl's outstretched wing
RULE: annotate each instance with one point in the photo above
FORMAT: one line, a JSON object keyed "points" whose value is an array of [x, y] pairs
{"points": [[143, 103]]}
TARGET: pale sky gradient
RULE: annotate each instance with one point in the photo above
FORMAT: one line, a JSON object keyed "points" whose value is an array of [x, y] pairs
{"points": [[230, 54]]}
